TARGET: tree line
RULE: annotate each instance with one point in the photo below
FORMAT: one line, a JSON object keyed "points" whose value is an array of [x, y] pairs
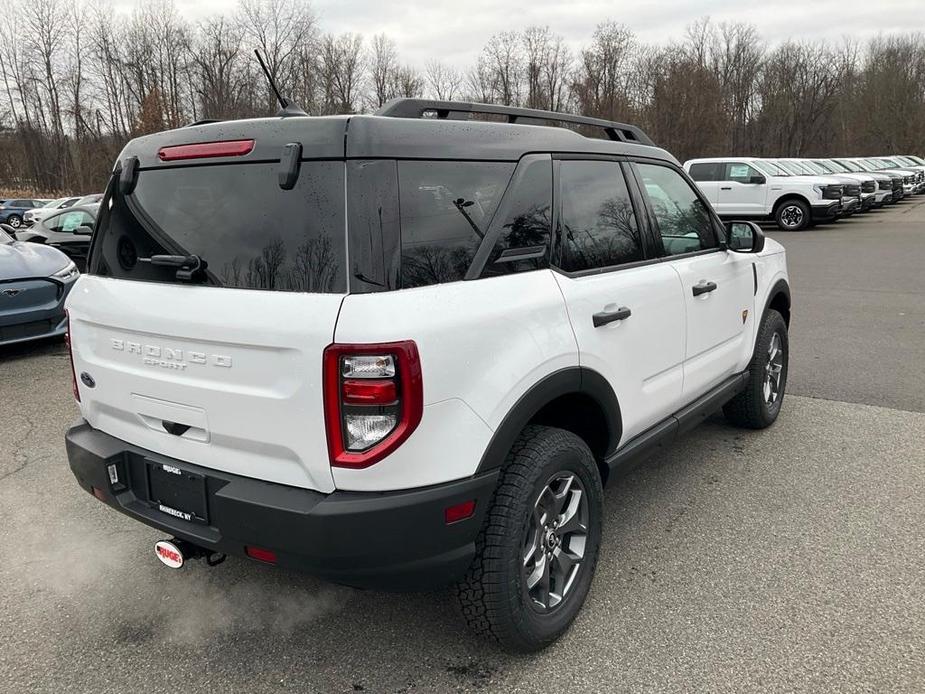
{"points": [[80, 80]]}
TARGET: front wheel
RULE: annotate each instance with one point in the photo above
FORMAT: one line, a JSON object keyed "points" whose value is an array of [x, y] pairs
{"points": [[758, 405], [792, 215], [537, 550], [14, 221]]}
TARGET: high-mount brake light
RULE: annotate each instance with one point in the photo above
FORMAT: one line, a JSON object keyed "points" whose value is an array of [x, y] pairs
{"points": [[205, 150], [373, 400]]}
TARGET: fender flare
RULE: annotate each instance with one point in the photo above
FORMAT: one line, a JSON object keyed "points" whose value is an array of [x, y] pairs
{"points": [[569, 381], [779, 287]]}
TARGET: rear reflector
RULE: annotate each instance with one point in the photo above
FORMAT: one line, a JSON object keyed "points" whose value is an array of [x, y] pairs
{"points": [[204, 150], [99, 493], [371, 392], [70, 354], [261, 554], [459, 512]]}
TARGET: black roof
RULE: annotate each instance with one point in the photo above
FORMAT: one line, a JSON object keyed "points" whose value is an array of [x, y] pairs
{"points": [[378, 136]]}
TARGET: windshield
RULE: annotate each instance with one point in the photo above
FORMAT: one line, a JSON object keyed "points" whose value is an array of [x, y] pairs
{"points": [[835, 166], [916, 160], [815, 168], [875, 165], [54, 203], [791, 167], [769, 168], [249, 232]]}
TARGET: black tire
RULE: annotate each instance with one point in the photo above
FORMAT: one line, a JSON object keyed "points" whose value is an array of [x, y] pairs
{"points": [[14, 221], [493, 597], [792, 215], [751, 408]]}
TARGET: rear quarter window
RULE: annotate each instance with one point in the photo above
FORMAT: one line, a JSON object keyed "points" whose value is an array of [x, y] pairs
{"points": [[446, 209]]}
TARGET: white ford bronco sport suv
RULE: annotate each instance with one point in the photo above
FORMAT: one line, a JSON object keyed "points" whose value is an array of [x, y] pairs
{"points": [[751, 188], [407, 350]]}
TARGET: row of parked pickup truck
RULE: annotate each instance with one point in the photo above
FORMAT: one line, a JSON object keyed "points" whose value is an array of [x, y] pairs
{"points": [[798, 193]]}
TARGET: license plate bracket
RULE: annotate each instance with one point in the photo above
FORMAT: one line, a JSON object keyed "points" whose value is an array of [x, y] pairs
{"points": [[177, 492]]}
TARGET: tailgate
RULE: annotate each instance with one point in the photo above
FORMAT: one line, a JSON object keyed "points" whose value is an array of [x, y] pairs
{"points": [[228, 379]]}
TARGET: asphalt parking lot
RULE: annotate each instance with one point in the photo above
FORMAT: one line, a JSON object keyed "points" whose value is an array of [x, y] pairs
{"points": [[791, 559]]}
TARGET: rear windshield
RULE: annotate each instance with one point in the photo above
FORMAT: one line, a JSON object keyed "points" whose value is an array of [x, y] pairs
{"points": [[251, 233]]}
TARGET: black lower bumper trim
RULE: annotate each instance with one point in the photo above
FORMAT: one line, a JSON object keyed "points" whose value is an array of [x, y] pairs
{"points": [[391, 540]]}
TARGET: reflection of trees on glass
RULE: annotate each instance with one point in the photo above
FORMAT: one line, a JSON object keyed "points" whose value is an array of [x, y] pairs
{"points": [[691, 221], [432, 264], [610, 238], [311, 268], [445, 211], [528, 229]]}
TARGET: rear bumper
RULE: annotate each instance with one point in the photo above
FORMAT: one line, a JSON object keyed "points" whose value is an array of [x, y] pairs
{"points": [[391, 540]]}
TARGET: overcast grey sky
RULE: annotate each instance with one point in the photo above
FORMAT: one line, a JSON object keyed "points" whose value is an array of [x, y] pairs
{"points": [[456, 30]]}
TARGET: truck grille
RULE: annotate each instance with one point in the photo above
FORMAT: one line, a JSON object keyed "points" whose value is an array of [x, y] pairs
{"points": [[869, 186], [885, 185], [832, 192], [852, 190]]}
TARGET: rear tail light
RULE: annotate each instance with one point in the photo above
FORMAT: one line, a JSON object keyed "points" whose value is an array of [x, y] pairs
{"points": [[70, 354], [373, 400]]}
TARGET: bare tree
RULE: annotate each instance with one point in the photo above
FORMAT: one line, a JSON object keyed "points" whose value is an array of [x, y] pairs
{"points": [[443, 80], [601, 81], [383, 64], [342, 68]]}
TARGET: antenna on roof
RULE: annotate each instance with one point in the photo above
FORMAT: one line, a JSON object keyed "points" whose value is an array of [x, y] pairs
{"points": [[287, 106]]}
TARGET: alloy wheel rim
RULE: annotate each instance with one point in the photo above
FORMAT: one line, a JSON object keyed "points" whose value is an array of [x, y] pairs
{"points": [[791, 216], [14, 222], [554, 547], [773, 370]]}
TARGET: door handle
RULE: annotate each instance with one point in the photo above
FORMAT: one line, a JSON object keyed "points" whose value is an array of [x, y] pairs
{"points": [[726, 188], [605, 317], [703, 287]]}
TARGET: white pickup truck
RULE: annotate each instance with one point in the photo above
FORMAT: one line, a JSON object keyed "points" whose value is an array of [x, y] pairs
{"points": [[751, 188]]}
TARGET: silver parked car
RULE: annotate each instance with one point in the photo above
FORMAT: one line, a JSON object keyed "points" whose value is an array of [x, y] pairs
{"points": [[68, 230], [34, 282]]}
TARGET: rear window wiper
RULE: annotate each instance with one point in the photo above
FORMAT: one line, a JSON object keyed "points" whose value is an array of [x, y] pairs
{"points": [[189, 267]]}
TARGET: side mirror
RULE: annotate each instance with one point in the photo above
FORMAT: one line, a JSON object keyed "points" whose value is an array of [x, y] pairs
{"points": [[744, 237], [83, 230], [758, 180]]}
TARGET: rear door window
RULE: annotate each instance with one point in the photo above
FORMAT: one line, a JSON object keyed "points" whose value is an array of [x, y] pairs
{"points": [[251, 233], [446, 209], [597, 222], [707, 171]]}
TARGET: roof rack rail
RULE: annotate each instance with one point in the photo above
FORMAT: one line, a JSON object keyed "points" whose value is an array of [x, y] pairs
{"points": [[463, 110]]}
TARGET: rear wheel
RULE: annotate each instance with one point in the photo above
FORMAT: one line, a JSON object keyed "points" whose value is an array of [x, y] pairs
{"points": [[537, 551], [792, 215], [758, 405], [14, 221]]}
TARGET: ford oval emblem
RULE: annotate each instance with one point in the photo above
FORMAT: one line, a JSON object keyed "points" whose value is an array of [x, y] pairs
{"points": [[87, 380]]}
